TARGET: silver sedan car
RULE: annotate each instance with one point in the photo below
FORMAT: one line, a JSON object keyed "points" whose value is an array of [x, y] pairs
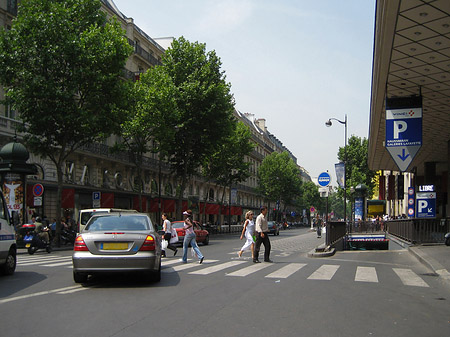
{"points": [[117, 242]]}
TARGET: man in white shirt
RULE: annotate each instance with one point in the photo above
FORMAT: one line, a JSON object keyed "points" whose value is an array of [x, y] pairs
{"points": [[262, 236]]}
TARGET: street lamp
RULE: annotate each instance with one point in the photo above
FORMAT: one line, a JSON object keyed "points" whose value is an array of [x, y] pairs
{"points": [[328, 123]]}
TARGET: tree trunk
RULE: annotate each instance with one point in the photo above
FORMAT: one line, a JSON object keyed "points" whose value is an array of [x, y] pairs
{"points": [[58, 204]]}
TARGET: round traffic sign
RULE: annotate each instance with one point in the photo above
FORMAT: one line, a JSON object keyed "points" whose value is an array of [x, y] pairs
{"points": [[312, 209], [411, 211], [411, 201], [324, 179], [38, 190]]}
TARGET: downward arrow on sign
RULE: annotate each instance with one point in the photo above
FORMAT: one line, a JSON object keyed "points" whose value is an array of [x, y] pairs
{"points": [[404, 155]]}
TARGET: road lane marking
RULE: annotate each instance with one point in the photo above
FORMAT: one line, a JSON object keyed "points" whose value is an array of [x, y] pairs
{"points": [[249, 270], [287, 271], [366, 274], [184, 266], [6, 300], [217, 268], [325, 272], [57, 264], [409, 278]]}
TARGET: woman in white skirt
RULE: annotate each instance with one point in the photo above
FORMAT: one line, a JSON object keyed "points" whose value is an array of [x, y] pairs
{"points": [[248, 231]]}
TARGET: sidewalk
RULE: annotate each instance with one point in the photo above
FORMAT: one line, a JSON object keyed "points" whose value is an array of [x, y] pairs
{"points": [[434, 256]]}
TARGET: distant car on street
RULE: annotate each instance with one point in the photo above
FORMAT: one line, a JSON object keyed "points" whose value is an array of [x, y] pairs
{"points": [[274, 228], [202, 235], [117, 242]]}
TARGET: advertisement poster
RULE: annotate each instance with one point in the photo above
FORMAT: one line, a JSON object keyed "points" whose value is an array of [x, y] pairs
{"points": [[359, 208], [13, 191]]}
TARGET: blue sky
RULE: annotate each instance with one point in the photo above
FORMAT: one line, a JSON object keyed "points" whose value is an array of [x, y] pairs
{"points": [[295, 63]]}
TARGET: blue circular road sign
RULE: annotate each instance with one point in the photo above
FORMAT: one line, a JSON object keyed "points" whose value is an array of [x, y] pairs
{"points": [[324, 179]]}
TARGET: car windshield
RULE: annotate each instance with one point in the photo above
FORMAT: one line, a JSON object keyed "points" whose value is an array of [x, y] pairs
{"points": [[85, 216], [118, 222], [178, 224]]}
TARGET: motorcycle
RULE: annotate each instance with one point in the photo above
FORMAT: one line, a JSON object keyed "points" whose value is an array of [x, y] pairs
{"points": [[68, 236], [447, 239], [33, 242]]}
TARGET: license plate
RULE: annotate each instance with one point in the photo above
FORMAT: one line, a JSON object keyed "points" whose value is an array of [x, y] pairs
{"points": [[114, 246], [28, 245]]}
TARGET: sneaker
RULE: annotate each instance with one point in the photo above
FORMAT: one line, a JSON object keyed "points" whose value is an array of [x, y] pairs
{"points": [[256, 261], [201, 260], [181, 260], [175, 252]]}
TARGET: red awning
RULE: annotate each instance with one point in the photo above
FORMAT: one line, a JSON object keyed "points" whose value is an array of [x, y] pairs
{"points": [[143, 203], [154, 205], [184, 205], [68, 198], [168, 205], [107, 200], [236, 210]]}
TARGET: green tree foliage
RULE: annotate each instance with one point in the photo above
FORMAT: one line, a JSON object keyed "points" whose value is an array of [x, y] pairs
{"points": [[60, 64], [227, 166], [151, 118], [279, 178], [205, 105], [357, 170], [311, 197]]}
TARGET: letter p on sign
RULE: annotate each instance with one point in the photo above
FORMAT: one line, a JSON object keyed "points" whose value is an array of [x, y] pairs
{"points": [[421, 205], [399, 126]]}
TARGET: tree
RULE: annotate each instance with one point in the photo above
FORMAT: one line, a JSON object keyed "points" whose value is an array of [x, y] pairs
{"points": [[205, 107], [151, 119], [227, 165], [279, 178], [311, 196], [60, 64], [357, 168]]}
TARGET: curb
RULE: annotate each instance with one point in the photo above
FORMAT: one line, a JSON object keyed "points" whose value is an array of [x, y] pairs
{"points": [[322, 251]]}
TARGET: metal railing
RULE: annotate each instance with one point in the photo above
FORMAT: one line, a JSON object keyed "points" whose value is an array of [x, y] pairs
{"points": [[419, 230], [336, 230]]}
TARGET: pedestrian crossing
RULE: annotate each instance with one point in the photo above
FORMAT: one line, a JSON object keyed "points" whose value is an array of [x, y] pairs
{"points": [[239, 268]]}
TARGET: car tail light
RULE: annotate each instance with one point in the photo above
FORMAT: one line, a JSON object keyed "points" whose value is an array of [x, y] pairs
{"points": [[80, 245], [149, 244]]}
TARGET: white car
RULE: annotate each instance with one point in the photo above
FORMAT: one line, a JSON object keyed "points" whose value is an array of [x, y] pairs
{"points": [[8, 247]]}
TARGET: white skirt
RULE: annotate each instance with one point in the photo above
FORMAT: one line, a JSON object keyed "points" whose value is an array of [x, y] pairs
{"points": [[248, 242]]}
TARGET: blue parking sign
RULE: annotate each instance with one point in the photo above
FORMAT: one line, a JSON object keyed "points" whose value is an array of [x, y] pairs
{"points": [[426, 205]]}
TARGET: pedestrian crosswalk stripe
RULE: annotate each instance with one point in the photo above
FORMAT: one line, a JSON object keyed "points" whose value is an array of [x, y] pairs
{"points": [[184, 266], [249, 270], [287, 271], [409, 278], [57, 264], [42, 261], [217, 268], [325, 272], [366, 274]]}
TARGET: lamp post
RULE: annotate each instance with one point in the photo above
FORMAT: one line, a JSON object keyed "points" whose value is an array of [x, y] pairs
{"points": [[328, 124]]}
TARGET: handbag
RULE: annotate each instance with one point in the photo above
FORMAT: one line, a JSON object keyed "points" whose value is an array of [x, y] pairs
{"points": [[174, 238]]}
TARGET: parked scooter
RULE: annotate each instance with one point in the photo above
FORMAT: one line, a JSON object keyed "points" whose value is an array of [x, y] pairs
{"points": [[68, 236], [447, 239], [33, 242]]}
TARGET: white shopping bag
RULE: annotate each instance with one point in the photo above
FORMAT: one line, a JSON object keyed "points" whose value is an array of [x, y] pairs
{"points": [[164, 244], [174, 238]]}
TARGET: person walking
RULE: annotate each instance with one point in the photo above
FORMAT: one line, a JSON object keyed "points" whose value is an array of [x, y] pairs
{"points": [[248, 231], [167, 228], [189, 238], [262, 236]]}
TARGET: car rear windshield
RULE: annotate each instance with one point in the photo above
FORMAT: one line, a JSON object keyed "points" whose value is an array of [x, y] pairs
{"points": [[117, 222], [85, 216], [178, 224]]}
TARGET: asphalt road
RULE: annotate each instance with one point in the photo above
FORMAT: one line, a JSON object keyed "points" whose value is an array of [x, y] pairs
{"points": [[383, 293]]}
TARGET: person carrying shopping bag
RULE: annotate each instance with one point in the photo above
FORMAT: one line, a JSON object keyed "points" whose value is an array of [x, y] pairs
{"points": [[189, 238], [248, 231], [167, 228]]}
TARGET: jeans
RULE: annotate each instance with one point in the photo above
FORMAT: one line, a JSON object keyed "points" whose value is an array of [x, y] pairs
{"points": [[190, 239]]}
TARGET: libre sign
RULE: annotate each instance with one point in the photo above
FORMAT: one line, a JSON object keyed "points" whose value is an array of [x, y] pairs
{"points": [[403, 129]]}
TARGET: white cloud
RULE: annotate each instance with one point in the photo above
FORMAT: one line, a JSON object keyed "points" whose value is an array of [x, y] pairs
{"points": [[224, 16]]}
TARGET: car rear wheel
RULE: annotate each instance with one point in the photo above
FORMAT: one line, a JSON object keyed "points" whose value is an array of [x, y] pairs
{"points": [[9, 266], [80, 277]]}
